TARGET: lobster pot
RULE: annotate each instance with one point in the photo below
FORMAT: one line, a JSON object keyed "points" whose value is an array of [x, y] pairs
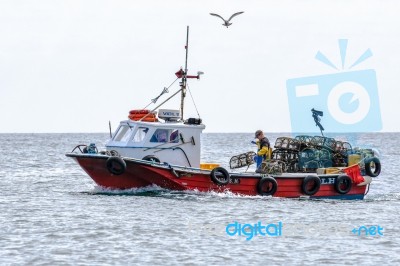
{"points": [[289, 157], [311, 159], [304, 141], [285, 143], [242, 160], [323, 142]]}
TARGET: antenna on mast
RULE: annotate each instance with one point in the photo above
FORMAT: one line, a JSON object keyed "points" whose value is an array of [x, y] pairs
{"points": [[184, 76], [180, 74]]}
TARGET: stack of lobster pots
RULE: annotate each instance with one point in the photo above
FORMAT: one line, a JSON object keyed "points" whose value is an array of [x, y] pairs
{"points": [[143, 115], [307, 153]]}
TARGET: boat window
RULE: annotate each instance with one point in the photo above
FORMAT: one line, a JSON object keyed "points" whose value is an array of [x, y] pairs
{"points": [[174, 137], [160, 135], [140, 134], [165, 135], [123, 133]]}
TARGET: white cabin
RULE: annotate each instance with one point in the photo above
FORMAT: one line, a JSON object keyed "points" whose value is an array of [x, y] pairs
{"points": [[172, 141]]}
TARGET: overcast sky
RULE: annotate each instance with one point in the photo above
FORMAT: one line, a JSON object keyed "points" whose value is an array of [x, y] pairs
{"points": [[71, 66]]}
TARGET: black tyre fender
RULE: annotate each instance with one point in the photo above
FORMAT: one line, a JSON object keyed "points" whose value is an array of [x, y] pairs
{"points": [[343, 180], [151, 158], [369, 169], [116, 165], [267, 180], [311, 179], [216, 174]]}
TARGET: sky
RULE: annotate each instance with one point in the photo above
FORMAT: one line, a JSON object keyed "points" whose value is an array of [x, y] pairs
{"points": [[73, 66]]}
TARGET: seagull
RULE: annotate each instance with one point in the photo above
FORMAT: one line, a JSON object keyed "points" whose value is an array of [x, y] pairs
{"points": [[226, 22]]}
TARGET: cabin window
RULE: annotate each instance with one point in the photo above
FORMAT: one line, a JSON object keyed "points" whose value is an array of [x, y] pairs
{"points": [[123, 133], [160, 135], [165, 135], [140, 134], [174, 137]]}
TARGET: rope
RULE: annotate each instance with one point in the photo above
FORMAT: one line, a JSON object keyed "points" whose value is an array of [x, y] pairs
{"points": [[172, 169], [193, 100]]}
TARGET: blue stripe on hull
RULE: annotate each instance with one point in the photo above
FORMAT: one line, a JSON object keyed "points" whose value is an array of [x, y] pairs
{"points": [[342, 197]]}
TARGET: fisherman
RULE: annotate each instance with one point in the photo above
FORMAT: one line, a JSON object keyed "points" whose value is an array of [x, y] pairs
{"points": [[263, 151]]}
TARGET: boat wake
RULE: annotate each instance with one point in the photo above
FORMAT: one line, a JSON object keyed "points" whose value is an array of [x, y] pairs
{"points": [[156, 191], [195, 195], [151, 190]]}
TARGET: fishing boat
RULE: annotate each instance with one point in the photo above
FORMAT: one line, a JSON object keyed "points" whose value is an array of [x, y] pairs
{"points": [[160, 147]]}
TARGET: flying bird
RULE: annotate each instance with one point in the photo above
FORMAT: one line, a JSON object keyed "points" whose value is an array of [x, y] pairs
{"points": [[226, 22]]}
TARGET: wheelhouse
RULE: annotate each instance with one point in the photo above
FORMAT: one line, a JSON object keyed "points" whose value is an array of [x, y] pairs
{"points": [[170, 142]]}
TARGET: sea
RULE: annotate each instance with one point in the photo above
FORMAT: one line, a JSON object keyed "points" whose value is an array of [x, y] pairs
{"points": [[52, 213]]}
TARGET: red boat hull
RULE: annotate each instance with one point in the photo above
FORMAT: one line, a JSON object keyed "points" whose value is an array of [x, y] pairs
{"points": [[139, 173]]}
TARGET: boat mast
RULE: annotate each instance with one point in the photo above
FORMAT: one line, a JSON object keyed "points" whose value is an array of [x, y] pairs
{"points": [[184, 77]]}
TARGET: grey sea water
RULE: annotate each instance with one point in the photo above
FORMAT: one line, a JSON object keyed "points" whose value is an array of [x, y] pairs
{"points": [[52, 213]]}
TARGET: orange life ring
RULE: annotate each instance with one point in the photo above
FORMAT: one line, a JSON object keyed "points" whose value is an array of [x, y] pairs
{"points": [[140, 116], [142, 111], [145, 119]]}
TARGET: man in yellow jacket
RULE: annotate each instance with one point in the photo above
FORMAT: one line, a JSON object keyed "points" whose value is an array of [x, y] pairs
{"points": [[263, 151]]}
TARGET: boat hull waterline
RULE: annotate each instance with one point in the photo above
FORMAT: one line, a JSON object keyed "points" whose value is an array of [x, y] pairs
{"points": [[140, 173]]}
